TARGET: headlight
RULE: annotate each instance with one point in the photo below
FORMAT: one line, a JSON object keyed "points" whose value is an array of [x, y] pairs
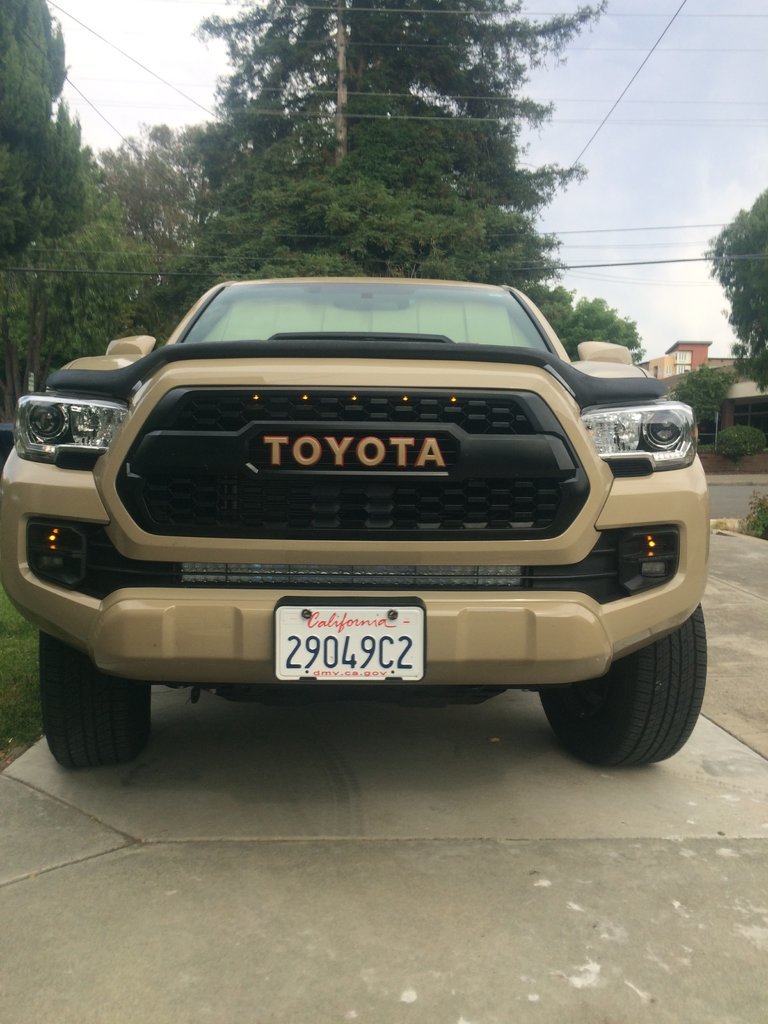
{"points": [[47, 426], [662, 432]]}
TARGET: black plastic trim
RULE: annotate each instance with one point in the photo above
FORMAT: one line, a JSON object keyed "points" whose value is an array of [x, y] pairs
{"points": [[588, 391], [598, 575]]}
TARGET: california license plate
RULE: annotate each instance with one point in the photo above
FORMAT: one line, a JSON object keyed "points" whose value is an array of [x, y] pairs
{"points": [[349, 642]]}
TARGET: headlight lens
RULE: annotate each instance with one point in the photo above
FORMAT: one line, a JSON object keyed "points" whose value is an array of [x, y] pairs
{"points": [[47, 425], [662, 432]]}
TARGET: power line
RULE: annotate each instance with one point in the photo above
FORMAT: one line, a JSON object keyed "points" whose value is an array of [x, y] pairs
{"points": [[614, 246], [626, 88], [666, 49], [325, 237], [560, 267], [98, 272], [608, 278], [249, 257], [96, 110], [655, 227], [105, 119], [541, 101], [463, 13], [404, 45], [132, 59], [757, 257], [448, 116]]}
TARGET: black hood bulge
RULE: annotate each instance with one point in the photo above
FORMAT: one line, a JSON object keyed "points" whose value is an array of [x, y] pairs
{"points": [[586, 390]]}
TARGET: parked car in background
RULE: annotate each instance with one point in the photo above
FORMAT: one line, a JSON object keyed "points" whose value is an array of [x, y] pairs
{"points": [[6, 442]]}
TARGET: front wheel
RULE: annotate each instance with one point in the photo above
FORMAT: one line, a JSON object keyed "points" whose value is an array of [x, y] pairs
{"points": [[89, 718], [643, 710]]}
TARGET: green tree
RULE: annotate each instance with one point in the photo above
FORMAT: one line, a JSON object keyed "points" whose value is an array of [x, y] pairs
{"points": [[740, 264], [161, 185], [75, 294], [587, 320], [41, 164], [383, 138], [704, 389], [555, 303]]}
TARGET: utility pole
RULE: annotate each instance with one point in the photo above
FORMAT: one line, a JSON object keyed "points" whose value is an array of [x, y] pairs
{"points": [[342, 136]]}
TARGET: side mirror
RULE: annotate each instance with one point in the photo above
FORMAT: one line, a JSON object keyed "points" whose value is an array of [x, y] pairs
{"points": [[604, 352], [136, 345]]}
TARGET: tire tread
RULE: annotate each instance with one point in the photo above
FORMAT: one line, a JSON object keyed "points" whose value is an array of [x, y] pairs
{"points": [[652, 701], [89, 718]]}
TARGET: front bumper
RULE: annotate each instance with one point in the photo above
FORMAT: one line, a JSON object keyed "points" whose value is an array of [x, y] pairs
{"points": [[210, 637]]}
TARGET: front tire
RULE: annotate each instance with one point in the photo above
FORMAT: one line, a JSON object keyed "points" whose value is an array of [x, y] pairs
{"points": [[643, 710], [89, 718]]}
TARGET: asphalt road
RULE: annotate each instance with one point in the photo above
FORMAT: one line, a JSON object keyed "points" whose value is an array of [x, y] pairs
{"points": [[731, 501]]}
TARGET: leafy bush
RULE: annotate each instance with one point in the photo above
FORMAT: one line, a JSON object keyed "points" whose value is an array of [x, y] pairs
{"points": [[756, 521], [736, 442]]}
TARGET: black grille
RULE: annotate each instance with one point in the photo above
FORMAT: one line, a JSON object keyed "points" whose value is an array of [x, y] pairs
{"points": [[207, 464], [182, 505]]}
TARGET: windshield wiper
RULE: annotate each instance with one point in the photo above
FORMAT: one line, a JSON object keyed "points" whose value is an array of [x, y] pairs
{"points": [[441, 339]]}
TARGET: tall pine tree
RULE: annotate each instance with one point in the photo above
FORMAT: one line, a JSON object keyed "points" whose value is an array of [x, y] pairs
{"points": [[383, 137], [42, 190]]}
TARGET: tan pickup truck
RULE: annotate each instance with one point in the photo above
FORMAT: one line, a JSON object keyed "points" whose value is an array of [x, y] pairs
{"points": [[388, 489]]}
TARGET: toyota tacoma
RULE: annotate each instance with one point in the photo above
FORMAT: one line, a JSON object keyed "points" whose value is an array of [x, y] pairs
{"points": [[391, 489]]}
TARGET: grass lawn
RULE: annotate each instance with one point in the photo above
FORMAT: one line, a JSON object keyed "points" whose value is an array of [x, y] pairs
{"points": [[19, 702]]}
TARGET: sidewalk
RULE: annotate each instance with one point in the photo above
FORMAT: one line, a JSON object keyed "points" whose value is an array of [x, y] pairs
{"points": [[383, 865], [747, 479]]}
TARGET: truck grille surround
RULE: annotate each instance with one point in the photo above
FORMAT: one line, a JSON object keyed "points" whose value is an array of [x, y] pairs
{"points": [[287, 463]]}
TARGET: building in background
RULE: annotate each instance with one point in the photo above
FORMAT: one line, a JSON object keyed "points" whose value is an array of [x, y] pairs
{"points": [[744, 405], [682, 357]]}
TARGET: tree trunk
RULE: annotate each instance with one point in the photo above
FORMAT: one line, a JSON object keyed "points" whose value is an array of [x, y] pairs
{"points": [[10, 387], [38, 315], [342, 134], [13, 383]]}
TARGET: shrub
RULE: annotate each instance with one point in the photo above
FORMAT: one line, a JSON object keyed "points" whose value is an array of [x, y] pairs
{"points": [[736, 442], [756, 521]]}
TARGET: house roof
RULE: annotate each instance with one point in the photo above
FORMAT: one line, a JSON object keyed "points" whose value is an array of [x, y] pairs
{"points": [[685, 344]]}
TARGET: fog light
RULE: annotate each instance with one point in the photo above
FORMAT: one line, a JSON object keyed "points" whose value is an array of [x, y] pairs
{"points": [[648, 557], [56, 552], [655, 568]]}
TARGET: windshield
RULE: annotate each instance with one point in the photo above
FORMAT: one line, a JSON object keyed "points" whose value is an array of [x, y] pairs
{"points": [[256, 312]]}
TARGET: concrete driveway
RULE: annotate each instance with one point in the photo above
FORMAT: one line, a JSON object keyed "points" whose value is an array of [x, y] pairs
{"points": [[375, 864]]}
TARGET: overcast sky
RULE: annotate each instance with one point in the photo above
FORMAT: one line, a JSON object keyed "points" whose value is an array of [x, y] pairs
{"points": [[682, 153]]}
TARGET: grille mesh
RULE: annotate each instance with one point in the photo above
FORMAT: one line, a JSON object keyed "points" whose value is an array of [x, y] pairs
{"points": [[180, 503], [225, 409]]}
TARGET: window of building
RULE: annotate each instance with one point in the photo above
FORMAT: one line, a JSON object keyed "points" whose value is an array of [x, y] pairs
{"points": [[752, 414]]}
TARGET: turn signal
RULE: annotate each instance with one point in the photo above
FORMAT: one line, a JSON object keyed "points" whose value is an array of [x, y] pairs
{"points": [[56, 552], [648, 557]]}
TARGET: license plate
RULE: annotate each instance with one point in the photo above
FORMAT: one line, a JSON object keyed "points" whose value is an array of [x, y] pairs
{"points": [[362, 643]]}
